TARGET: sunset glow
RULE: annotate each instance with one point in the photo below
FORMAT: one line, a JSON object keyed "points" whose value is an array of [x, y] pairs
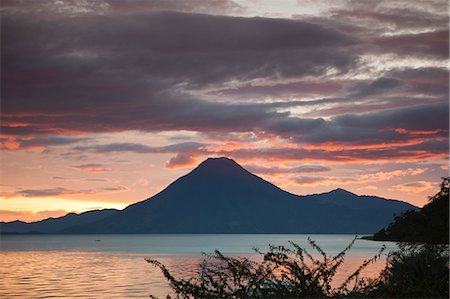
{"points": [[105, 103]]}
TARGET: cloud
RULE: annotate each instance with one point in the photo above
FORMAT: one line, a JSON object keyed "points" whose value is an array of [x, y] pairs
{"points": [[374, 127], [380, 85], [388, 175], [237, 48], [416, 187], [196, 6], [29, 216], [306, 89], [92, 167], [132, 80], [140, 148], [58, 192], [104, 180], [182, 161], [342, 155], [366, 179], [280, 89], [286, 170], [434, 44], [369, 187], [394, 19], [308, 181], [427, 80], [73, 8], [358, 151], [244, 48], [142, 182], [13, 143]]}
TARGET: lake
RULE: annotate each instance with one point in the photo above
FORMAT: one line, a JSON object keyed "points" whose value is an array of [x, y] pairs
{"points": [[113, 266]]}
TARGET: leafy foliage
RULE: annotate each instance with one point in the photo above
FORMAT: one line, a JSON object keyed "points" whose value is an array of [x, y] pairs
{"points": [[415, 272], [429, 225], [283, 272]]}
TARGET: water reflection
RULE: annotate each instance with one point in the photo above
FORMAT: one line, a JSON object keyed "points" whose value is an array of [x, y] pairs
{"points": [[73, 266], [107, 275]]}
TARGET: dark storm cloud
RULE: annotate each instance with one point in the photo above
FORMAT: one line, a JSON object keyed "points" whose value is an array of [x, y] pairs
{"points": [[107, 73], [432, 81], [140, 148], [96, 60], [394, 18], [162, 113], [198, 6], [292, 89], [378, 127], [143, 70], [365, 129], [421, 117], [433, 44], [117, 147], [358, 105], [377, 86], [99, 7], [368, 128], [20, 130], [430, 146]]}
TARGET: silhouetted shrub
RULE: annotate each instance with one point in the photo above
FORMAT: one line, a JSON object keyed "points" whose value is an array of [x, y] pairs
{"points": [[283, 272], [415, 271]]}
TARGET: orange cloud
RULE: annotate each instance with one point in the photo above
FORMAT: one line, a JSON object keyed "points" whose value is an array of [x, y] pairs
{"points": [[92, 167], [416, 187], [182, 161], [335, 147], [369, 187], [387, 175], [414, 133], [9, 144], [361, 179]]}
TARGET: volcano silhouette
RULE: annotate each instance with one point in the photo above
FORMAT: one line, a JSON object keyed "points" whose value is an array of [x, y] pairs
{"points": [[220, 196]]}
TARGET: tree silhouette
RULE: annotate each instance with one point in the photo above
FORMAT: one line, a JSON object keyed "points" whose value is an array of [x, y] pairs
{"points": [[429, 225]]}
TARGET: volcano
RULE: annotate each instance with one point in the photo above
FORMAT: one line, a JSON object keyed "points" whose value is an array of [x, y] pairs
{"points": [[220, 196]]}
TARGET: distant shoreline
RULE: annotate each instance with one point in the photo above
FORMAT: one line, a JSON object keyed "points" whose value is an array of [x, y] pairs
{"points": [[66, 234]]}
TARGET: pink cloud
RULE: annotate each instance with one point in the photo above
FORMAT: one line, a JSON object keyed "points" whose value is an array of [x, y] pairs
{"points": [[182, 161], [416, 187]]}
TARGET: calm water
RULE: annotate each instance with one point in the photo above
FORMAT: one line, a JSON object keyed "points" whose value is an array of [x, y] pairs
{"points": [[113, 266]]}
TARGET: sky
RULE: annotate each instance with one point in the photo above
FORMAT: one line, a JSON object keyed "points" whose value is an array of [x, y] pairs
{"points": [[104, 103]]}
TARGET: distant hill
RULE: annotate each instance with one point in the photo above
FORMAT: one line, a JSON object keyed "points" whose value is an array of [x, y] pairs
{"points": [[428, 225], [52, 225], [220, 196]]}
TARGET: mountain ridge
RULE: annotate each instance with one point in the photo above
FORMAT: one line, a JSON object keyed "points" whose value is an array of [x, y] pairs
{"points": [[54, 224], [221, 196]]}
